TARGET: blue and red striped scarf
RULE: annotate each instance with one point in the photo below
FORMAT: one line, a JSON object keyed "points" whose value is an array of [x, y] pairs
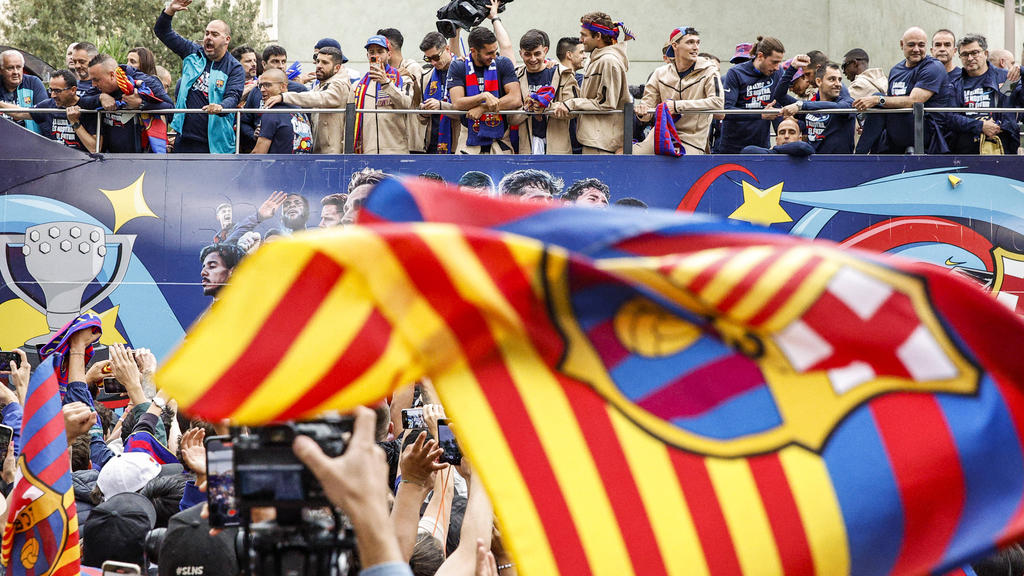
{"points": [[666, 138], [437, 89], [61, 341], [489, 127], [361, 90]]}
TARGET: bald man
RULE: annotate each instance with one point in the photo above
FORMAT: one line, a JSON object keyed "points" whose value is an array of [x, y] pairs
{"points": [[1001, 58], [918, 78], [211, 79]]}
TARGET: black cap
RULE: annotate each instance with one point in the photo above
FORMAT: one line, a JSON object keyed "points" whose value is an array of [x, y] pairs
{"points": [[855, 54], [188, 544], [117, 529]]}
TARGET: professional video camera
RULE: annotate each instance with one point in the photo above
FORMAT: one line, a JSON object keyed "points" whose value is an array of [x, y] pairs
{"points": [[465, 14]]}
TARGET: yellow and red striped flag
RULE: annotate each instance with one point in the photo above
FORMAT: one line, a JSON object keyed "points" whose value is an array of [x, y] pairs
{"points": [[672, 396]]}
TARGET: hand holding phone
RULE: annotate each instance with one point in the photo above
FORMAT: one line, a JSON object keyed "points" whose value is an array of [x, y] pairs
{"points": [[112, 568], [220, 482], [6, 358], [452, 454], [111, 385], [412, 419]]}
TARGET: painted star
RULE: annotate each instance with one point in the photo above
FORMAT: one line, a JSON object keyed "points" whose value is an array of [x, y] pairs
{"points": [[761, 206], [128, 203]]}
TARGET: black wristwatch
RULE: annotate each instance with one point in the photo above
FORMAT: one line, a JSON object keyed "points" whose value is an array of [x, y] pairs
{"points": [[881, 100], [76, 125]]}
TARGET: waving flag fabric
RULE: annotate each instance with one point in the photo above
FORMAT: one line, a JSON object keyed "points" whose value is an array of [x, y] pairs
{"points": [[41, 536], [647, 394]]}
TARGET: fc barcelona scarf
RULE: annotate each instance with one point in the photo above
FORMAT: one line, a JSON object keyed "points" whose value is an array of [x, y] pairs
{"points": [[154, 127], [361, 90], [666, 139], [438, 90], [60, 345], [489, 127]]}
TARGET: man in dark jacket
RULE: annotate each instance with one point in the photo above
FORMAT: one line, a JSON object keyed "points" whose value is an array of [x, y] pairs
{"points": [[122, 88], [977, 86]]}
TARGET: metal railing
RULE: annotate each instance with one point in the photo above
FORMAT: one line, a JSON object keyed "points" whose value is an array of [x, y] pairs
{"points": [[350, 110]]}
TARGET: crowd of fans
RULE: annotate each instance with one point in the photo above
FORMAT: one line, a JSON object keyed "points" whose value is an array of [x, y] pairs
{"points": [[567, 102]]}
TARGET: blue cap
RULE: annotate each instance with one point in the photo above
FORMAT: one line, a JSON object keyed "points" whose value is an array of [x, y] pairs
{"points": [[378, 40], [324, 42]]}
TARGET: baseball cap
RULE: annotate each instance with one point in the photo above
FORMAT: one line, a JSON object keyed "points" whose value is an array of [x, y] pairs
{"points": [[742, 53], [675, 35], [378, 40], [188, 547], [127, 472], [855, 54], [117, 530], [787, 64], [324, 42]]}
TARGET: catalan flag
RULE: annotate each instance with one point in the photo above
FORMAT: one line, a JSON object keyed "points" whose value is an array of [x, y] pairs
{"points": [[41, 536], [647, 393]]}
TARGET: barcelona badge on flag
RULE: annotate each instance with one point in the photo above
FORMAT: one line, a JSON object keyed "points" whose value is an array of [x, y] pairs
{"points": [[647, 392]]}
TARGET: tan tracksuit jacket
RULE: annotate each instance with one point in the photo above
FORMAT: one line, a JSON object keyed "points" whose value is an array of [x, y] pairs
{"points": [[604, 88], [557, 136], [386, 133], [701, 89], [328, 129]]}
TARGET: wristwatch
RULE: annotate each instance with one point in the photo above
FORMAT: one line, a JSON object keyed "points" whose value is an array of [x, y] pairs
{"points": [[881, 100], [76, 125], [159, 402]]}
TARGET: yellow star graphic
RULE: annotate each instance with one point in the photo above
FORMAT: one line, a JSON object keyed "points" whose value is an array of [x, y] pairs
{"points": [[129, 203], [761, 206]]}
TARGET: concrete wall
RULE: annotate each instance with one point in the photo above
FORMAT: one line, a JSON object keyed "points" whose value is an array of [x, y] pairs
{"points": [[834, 26]]}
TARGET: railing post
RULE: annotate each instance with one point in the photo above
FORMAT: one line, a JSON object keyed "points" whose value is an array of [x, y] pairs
{"points": [[919, 128], [99, 128], [627, 127], [238, 132], [350, 128]]}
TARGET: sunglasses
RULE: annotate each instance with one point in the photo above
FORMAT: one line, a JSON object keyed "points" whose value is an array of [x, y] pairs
{"points": [[434, 58]]}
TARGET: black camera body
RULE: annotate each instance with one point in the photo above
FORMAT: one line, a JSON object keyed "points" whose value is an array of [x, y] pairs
{"points": [[463, 14], [267, 473]]}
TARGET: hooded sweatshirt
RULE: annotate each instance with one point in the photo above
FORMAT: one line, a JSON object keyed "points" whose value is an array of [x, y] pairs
{"points": [[746, 88], [699, 89], [604, 88]]}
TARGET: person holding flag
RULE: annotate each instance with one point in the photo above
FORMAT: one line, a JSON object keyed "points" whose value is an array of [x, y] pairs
{"points": [[381, 87]]}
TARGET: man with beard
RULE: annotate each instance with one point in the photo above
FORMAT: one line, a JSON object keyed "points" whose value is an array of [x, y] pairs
{"points": [[750, 86], [333, 90], [332, 209], [274, 56], [71, 127], [219, 261], [81, 54], [246, 56], [827, 133], [211, 79], [433, 95], [919, 78], [977, 86], [294, 213]]}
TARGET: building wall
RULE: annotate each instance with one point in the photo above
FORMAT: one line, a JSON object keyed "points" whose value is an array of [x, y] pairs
{"points": [[834, 26]]}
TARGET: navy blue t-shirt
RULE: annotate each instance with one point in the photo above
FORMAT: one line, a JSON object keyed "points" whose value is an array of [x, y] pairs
{"points": [[506, 74], [929, 74], [83, 87], [288, 133], [829, 133], [747, 88], [250, 121], [56, 126], [536, 81]]}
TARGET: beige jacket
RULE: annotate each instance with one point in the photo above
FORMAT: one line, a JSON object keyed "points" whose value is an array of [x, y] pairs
{"points": [[557, 136], [386, 133], [868, 82], [328, 129], [604, 88], [422, 88], [417, 132], [701, 89]]}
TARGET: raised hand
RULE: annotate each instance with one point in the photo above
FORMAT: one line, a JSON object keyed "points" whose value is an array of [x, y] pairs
{"points": [[271, 205]]}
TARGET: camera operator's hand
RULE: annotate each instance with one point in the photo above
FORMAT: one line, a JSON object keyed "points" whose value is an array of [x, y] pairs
{"points": [[78, 419], [419, 461], [431, 414], [124, 368], [357, 482], [193, 452], [495, 4], [19, 375]]}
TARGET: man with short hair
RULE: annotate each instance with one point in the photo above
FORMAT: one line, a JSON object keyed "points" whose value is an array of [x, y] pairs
{"points": [[19, 90], [219, 262], [541, 85], [604, 86], [333, 90], [827, 133], [569, 52], [689, 82], [977, 86], [750, 86], [81, 54], [246, 56], [530, 184], [225, 218], [943, 47], [211, 79], [476, 182], [787, 141], [71, 127], [274, 56], [432, 94], [919, 78], [332, 208], [588, 192], [382, 87], [281, 133], [123, 131], [359, 187], [412, 70], [483, 85], [864, 81], [294, 214]]}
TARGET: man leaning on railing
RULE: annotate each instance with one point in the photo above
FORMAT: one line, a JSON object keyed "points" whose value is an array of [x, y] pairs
{"points": [[211, 79]]}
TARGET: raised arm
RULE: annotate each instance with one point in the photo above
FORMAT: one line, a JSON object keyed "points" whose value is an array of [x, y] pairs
{"points": [[163, 30]]}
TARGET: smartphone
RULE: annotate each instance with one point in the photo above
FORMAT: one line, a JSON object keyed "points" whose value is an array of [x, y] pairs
{"points": [[111, 568], [446, 439], [7, 357], [6, 433], [220, 482], [111, 385], [412, 418]]}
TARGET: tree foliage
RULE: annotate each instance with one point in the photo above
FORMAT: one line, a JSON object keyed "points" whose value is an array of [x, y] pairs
{"points": [[46, 27]]}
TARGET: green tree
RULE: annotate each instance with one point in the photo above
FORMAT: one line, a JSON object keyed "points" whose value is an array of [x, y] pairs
{"points": [[46, 27]]}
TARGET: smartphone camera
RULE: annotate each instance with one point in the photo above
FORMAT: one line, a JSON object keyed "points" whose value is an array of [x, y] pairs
{"points": [[112, 385], [412, 419], [452, 454], [220, 482], [267, 473], [7, 357], [112, 568]]}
